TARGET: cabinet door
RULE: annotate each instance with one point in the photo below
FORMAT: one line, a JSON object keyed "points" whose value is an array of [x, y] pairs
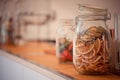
{"points": [[33, 75], [10, 70]]}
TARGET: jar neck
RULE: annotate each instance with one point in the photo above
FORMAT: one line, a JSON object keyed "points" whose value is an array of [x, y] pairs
{"points": [[92, 17], [94, 23], [83, 25]]}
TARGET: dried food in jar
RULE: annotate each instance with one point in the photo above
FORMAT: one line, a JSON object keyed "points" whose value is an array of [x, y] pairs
{"points": [[65, 49], [91, 51]]}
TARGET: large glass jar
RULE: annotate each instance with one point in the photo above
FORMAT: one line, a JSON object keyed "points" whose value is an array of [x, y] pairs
{"points": [[91, 44], [64, 45]]}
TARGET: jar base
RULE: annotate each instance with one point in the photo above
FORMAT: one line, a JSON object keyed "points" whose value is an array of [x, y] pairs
{"points": [[84, 72], [93, 73]]}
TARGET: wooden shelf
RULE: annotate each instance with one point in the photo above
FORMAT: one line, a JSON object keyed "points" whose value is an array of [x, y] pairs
{"points": [[44, 54]]}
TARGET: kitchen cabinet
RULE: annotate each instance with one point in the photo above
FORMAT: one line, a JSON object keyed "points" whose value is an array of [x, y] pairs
{"points": [[15, 68], [33, 75], [10, 70]]}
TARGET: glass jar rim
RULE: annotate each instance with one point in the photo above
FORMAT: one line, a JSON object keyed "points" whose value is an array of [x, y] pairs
{"points": [[92, 17], [88, 10]]}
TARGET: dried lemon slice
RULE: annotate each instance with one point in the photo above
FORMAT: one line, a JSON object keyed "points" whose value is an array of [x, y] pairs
{"points": [[86, 37], [94, 32], [85, 49], [80, 44], [97, 45], [90, 55], [92, 28], [101, 29]]}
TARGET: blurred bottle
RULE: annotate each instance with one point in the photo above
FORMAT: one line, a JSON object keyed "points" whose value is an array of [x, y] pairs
{"points": [[116, 46], [64, 45]]}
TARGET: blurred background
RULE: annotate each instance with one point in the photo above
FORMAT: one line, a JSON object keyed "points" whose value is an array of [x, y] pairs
{"points": [[37, 20]]}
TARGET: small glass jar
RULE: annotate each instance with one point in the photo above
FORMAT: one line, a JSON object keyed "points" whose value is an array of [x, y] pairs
{"points": [[91, 43], [64, 45]]}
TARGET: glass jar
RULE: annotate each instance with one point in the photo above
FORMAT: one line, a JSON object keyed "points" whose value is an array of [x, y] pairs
{"points": [[116, 45], [64, 45], [91, 43]]}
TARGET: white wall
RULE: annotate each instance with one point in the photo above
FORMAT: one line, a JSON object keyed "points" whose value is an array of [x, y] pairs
{"points": [[68, 8], [63, 9], [11, 8]]}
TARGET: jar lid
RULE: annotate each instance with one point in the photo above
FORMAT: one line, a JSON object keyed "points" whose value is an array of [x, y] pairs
{"points": [[91, 13]]}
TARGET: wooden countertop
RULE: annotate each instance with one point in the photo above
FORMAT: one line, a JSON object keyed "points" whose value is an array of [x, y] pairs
{"points": [[44, 54]]}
